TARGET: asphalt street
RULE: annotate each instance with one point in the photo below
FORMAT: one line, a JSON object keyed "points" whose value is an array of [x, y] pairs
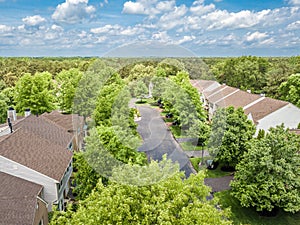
{"points": [[158, 140]]}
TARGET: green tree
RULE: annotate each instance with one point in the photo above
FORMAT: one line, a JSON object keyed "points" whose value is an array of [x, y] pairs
{"points": [[231, 131], [110, 147], [85, 177], [246, 72], [171, 201], [290, 90], [106, 98], [141, 72], [35, 92], [140, 90], [3, 108], [9, 94], [67, 83], [170, 67], [89, 87], [269, 176]]}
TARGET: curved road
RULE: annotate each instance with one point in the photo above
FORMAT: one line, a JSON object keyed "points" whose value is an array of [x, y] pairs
{"points": [[158, 140]]}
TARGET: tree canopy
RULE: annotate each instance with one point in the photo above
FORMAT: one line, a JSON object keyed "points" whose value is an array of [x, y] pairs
{"points": [[290, 89], [35, 92], [268, 176], [231, 130], [67, 83], [170, 201]]}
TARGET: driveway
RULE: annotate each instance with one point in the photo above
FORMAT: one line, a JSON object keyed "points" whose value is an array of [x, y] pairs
{"points": [[158, 140]]}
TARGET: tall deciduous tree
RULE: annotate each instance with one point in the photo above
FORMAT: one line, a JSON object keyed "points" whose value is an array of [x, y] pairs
{"points": [[3, 108], [171, 201], [140, 90], [290, 90], [85, 177], [67, 83], [269, 176], [247, 72], [35, 92], [231, 130], [106, 98]]}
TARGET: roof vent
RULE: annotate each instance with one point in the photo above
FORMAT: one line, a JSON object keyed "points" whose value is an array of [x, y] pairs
{"points": [[10, 125], [11, 113], [27, 112]]}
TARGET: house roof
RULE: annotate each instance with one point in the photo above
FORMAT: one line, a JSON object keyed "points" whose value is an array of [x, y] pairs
{"points": [[238, 99], [264, 107], [66, 121], [39, 144], [295, 131], [213, 91], [18, 199], [201, 85], [213, 98]]}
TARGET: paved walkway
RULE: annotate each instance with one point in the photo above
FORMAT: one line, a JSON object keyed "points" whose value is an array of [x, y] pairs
{"points": [[218, 184], [158, 140]]}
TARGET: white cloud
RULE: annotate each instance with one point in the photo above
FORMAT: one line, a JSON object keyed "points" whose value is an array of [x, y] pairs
{"points": [[5, 28], [255, 36], [108, 29], [172, 19], [57, 28], [33, 20], [294, 26], [133, 8], [161, 36], [199, 8], [165, 5], [185, 38], [129, 31], [73, 11], [220, 19], [151, 8], [294, 2]]}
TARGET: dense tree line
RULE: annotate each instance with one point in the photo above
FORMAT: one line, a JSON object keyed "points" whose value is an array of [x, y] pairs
{"points": [[171, 201]]}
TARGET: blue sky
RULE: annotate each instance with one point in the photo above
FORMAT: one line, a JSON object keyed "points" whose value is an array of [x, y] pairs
{"points": [[129, 28]]}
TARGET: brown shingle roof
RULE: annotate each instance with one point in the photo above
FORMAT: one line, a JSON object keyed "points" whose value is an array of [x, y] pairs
{"points": [[295, 131], [208, 93], [201, 85], [40, 145], [221, 94], [238, 99], [45, 129], [18, 199], [264, 108], [66, 121]]}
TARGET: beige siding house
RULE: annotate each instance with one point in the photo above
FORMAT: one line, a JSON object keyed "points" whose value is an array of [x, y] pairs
{"points": [[39, 151], [263, 111]]}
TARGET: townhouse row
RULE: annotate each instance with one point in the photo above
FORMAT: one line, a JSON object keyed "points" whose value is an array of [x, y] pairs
{"points": [[36, 153], [263, 111]]}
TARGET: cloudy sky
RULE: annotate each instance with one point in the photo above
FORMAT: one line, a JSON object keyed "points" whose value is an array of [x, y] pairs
{"points": [[96, 27]]}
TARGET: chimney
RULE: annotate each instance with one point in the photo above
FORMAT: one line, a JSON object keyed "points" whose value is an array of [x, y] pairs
{"points": [[11, 113], [27, 112], [10, 125]]}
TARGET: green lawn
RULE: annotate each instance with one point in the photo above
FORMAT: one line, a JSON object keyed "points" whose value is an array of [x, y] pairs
{"points": [[250, 216], [217, 172], [188, 146], [176, 131], [195, 163]]}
